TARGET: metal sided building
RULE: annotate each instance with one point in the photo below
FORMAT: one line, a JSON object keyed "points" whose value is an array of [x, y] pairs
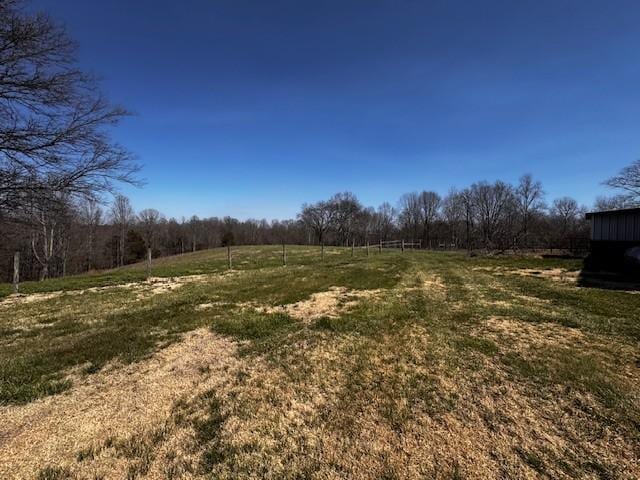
{"points": [[613, 232]]}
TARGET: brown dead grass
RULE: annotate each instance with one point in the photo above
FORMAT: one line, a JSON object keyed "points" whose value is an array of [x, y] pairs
{"points": [[302, 417], [493, 422], [117, 402], [429, 284], [285, 428], [526, 337], [556, 274], [145, 289], [332, 303], [521, 335], [315, 426]]}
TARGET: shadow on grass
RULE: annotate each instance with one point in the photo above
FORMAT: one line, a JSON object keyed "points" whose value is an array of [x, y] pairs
{"points": [[626, 281]]}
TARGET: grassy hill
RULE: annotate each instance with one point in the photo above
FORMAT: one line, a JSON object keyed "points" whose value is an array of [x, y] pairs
{"points": [[415, 365]]}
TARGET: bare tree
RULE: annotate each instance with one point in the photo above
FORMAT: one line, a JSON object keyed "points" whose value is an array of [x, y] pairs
{"points": [[466, 196], [491, 203], [567, 211], [454, 213], [122, 216], [411, 213], [529, 197], [614, 202], [52, 116], [385, 218], [149, 222], [629, 180], [195, 230], [318, 217], [50, 220], [365, 223], [346, 209], [429, 204], [90, 217]]}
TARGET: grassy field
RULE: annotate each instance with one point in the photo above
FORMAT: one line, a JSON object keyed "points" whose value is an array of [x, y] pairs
{"points": [[416, 365]]}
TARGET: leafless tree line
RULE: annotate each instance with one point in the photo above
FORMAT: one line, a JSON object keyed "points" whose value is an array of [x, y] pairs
{"points": [[491, 216], [68, 235], [55, 150]]}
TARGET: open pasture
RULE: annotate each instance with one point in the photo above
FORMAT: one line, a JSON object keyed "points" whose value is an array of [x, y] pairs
{"points": [[414, 365]]}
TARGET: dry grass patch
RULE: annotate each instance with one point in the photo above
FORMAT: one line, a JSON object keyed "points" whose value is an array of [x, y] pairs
{"points": [[331, 303], [426, 386], [556, 274], [428, 283], [118, 402], [522, 335], [144, 289]]}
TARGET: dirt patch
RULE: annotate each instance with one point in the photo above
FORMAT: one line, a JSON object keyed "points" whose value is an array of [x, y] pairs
{"points": [[117, 402], [332, 303]]}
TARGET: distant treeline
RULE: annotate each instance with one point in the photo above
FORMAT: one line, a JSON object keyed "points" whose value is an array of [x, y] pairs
{"points": [[59, 235]]}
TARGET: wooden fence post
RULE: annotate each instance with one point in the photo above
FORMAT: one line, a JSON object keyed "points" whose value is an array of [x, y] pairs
{"points": [[229, 256], [322, 252], [367, 248], [148, 263], [353, 248], [402, 246], [284, 255], [380, 247], [16, 272]]}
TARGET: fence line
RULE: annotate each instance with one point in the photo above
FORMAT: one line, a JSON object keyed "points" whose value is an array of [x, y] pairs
{"points": [[15, 268], [402, 244]]}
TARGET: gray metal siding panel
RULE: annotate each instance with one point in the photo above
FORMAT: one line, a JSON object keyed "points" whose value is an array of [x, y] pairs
{"points": [[616, 227], [601, 234], [628, 227], [600, 229]]}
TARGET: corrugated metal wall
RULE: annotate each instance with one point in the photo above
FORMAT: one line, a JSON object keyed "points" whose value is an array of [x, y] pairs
{"points": [[620, 227]]}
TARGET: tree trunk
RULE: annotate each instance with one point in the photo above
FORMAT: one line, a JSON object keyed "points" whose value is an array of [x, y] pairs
{"points": [[44, 273]]}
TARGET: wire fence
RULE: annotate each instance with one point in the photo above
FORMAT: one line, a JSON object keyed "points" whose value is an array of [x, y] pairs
{"points": [[17, 268]]}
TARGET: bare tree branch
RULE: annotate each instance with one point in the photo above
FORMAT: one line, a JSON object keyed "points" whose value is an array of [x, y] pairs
{"points": [[628, 179], [53, 120]]}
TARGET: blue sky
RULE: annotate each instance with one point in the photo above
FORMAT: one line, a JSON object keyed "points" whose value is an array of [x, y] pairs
{"points": [[250, 108]]}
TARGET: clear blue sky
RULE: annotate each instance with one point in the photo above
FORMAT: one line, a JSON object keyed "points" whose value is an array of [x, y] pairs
{"points": [[250, 108]]}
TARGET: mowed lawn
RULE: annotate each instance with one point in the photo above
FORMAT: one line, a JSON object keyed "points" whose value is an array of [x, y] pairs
{"points": [[415, 365]]}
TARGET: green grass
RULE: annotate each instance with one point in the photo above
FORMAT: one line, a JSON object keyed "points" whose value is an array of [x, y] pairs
{"points": [[193, 263], [421, 347]]}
